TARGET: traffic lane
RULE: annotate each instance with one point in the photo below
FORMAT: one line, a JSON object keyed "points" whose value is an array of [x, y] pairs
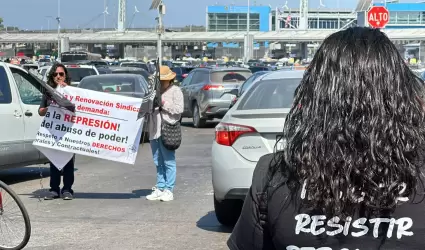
{"points": [[110, 210]]}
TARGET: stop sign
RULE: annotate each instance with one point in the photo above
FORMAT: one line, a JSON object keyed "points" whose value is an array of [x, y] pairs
{"points": [[378, 17]]}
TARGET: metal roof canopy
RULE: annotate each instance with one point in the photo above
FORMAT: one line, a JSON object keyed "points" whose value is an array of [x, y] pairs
{"points": [[288, 35]]}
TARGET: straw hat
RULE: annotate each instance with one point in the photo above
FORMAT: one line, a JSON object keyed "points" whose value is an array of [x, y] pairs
{"points": [[166, 74]]}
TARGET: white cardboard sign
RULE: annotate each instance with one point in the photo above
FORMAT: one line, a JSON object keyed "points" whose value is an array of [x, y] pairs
{"points": [[103, 126]]}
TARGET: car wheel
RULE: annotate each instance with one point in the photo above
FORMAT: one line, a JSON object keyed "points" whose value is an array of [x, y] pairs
{"points": [[198, 122], [228, 211]]}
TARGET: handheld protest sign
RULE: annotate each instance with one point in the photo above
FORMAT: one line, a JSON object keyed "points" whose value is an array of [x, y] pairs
{"points": [[103, 125]]}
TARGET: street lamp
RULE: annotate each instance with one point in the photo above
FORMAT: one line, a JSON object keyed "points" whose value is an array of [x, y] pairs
{"points": [[159, 5], [247, 33], [59, 39], [59, 29]]}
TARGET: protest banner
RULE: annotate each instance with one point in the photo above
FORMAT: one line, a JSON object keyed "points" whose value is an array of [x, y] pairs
{"points": [[103, 125]]}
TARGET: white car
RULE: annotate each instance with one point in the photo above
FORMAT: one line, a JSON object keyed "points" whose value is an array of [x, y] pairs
{"points": [[76, 72], [43, 71], [248, 131], [19, 101]]}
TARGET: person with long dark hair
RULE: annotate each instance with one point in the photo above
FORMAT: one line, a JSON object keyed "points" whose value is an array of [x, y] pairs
{"points": [[58, 77], [350, 172]]}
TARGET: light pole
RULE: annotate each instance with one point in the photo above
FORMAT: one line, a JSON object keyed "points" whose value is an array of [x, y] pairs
{"points": [[159, 5], [59, 29], [104, 14], [248, 18], [161, 9], [248, 15]]}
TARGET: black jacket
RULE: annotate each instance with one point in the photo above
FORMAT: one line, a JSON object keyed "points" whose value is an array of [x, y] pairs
{"points": [[288, 230]]}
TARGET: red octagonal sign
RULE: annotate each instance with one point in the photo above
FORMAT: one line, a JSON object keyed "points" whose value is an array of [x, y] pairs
{"points": [[378, 17]]}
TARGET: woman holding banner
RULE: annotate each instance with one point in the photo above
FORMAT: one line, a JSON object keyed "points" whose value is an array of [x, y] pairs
{"points": [[58, 76], [170, 109]]}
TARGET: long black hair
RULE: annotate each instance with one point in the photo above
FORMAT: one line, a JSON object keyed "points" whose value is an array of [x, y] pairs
{"points": [[50, 77], [355, 131]]}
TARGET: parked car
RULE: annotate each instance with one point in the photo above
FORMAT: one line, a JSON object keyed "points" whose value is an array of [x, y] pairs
{"points": [[76, 71], [131, 85], [181, 73], [19, 102], [130, 70], [43, 70], [206, 92], [247, 132], [141, 65]]}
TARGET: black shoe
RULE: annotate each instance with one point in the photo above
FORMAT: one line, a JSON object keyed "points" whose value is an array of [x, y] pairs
{"points": [[52, 195], [67, 195]]}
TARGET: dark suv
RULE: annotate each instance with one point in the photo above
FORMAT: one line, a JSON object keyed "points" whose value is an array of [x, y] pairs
{"points": [[207, 92]]}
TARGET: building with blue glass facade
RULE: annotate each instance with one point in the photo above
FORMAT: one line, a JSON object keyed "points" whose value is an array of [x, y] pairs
{"points": [[234, 18], [405, 15]]}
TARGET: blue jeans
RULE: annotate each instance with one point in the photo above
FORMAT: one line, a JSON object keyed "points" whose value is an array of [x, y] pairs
{"points": [[165, 161]]}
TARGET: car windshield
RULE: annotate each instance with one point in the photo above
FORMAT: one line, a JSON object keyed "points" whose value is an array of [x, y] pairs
{"points": [[116, 84], [77, 74], [250, 81], [270, 94], [234, 76]]}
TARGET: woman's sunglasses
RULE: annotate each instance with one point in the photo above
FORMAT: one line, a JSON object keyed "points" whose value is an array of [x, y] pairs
{"points": [[60, 73]]}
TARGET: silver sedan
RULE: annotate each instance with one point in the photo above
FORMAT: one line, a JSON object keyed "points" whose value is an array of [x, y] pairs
{"points": [[248, 131]]}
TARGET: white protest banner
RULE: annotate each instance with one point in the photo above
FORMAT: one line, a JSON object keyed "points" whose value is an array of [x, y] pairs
{"points": [[103, 126]]}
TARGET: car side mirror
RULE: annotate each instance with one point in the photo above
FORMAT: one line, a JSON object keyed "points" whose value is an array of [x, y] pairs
{"points": [[234, 92]]}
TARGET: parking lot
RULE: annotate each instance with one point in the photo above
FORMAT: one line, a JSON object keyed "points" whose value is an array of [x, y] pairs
{"points": [[110, 210]]}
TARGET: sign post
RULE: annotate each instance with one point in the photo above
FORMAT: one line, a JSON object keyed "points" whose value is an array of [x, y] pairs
{"points": [[378, 17]]}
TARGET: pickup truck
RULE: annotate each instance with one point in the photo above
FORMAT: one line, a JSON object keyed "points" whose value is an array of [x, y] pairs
{"points": [[19, 119]]}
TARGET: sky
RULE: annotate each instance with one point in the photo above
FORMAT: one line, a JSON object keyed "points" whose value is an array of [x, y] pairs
{"points": [[40, 14]]}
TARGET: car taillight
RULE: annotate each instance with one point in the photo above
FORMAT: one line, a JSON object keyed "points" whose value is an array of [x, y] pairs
{"points": [[212, 86], [73, 66], [226, 133]]}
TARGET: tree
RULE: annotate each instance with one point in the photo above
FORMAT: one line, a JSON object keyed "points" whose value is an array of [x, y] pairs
{"points": [[1, 22]]}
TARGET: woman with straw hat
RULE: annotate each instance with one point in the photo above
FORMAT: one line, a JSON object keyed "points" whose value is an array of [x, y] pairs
{"points": [[170, 109]]}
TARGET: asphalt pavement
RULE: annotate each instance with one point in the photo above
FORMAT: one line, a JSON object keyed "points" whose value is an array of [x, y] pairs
{"points": [[110, 210]]}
